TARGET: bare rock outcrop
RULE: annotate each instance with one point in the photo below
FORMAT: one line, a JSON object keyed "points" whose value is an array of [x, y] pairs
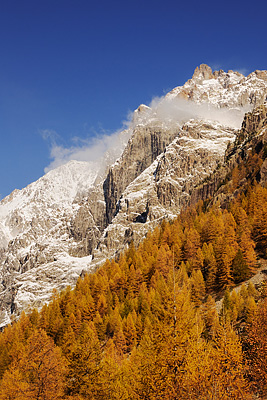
{"points": [[224, 89], [74, 217], [87, 225], [146, 143], [250, 140], [165, 187], [203, 72], [253, 123]]}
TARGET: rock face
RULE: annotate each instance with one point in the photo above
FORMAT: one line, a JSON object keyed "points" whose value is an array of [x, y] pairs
{"points": [[202, 73], [163, 188], [75, 216], [35, 225], [225, 89], [253, 123], [143, 148], [251, 140]]}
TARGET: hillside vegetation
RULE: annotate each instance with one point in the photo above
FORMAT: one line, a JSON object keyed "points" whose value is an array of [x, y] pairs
{"points": [[145, 325]]}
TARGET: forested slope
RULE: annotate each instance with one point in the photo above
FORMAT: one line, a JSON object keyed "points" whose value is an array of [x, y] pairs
{"points": [[145, 325]]}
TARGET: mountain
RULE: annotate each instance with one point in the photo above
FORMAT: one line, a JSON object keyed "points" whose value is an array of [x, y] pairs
{"points": [[75, 216]]}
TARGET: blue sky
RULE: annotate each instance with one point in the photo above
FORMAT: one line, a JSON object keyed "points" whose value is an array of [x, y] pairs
{"points": [[72, 70]]}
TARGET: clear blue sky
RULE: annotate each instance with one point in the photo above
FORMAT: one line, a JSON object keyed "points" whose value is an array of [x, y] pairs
{"points": [[78, 67]]}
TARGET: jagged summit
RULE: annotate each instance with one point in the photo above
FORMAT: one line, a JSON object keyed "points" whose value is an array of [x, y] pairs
{"points": [[78, 214], [224, 89], [201, 73], [202, 95], [204, 72]]}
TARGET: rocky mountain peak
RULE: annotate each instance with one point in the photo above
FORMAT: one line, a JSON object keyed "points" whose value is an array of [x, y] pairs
{"points": [[75, 216], [201, 73], [141, 115], [224, 89], [260, 74]]}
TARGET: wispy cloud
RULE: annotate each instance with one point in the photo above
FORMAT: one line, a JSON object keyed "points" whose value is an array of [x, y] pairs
{"points": [[217, 66], [102, 147], [243, 71], [105, 148], [171, 110], [50, 135]]}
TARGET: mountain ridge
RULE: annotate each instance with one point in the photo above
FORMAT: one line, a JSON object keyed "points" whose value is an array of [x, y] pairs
{"points": [[160, 169]]}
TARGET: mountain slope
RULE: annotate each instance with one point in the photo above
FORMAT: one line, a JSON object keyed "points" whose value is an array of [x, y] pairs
{"points": [[165, 187], [76, 215], [34, 226]]}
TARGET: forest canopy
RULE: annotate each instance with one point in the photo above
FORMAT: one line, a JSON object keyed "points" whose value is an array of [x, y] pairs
{"points": [[146, 325]]}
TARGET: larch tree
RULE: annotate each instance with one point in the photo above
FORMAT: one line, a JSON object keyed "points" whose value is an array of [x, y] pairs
{"points": [[84, 364], [37, 373], [255, 344]]}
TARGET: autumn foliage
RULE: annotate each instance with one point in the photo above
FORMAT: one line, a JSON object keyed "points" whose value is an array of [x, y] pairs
{"points": [[145, 325]]}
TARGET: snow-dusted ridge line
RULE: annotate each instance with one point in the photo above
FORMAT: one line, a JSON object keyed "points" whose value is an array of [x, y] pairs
{"points": [[60, 184], [223, 89], [50, 198], [43, 225]]}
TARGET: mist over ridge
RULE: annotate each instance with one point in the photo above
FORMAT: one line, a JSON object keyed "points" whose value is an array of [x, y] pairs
{"points": [[167, 110]]}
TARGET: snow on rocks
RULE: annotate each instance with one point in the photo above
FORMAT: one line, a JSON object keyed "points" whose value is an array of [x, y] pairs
{"points": [[81, 209]]}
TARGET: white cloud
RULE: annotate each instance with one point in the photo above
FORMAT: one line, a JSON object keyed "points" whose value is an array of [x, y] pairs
{"points": [[49, 134], [175, 109], [219, 66], [243, 71], [105, 148]]}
